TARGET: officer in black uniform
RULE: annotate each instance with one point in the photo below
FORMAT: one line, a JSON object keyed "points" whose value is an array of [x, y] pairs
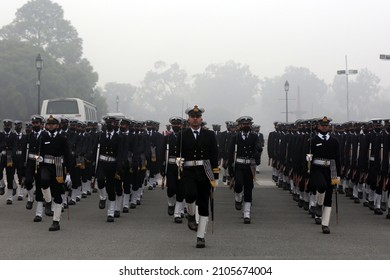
{"points": [[55, 154], [325, 170], [198, 155], [7, 162], [244, 156], [109, 165], [20, 156], [33, 174], [224, 145], [169, 170]]}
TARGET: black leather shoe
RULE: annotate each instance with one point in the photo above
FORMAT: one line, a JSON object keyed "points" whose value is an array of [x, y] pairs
{"points": [[94, 190], [72, 202], [356, 200], [20, 198], [78, 199], [360, 195], [89, 193], [54, 226], [48, 211], [125, 210], [37, 219], [13, 191], [325, 229], [171, 210], [383, 206], [366, 203], [83, 195], [371, 205], [138, 202], [301, 202], [388, 214], [110, 219], [29, 205], [238, 205], [66, 206], [378, 211], [200, 242], [9, 201], [133, 206], [178, 220], [317, 220], [224, 179], [306, 206], [247, 220], [319, 211], [102, 203], [2, 191], [192, 225], [117, 214]]}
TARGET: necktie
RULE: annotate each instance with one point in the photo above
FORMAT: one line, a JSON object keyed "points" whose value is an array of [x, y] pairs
{"points": [[245, 136], [108, 136], [196, 133], [36, 135], [324, 137]]}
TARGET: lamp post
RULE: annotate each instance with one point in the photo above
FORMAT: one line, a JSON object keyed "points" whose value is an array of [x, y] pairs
{"points": [[347, 72], [39, 66], [286, 88], [117, 104]]}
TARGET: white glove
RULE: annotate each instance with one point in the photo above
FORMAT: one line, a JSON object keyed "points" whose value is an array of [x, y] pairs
{"points": [[180, 162], [68, 181], [309, 157]]}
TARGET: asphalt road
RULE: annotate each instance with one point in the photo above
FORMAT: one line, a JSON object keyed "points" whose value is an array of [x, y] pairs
{"points": [[279, 231]]}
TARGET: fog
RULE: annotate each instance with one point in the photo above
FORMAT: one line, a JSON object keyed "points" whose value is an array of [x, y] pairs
{"points": [[123, 39]]}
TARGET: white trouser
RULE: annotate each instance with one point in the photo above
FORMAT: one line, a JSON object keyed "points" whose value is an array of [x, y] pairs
{"points": [[326, 215], [202, 226]]}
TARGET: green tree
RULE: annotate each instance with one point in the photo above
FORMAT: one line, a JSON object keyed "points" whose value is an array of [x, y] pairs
{"points": [[162, 92], [125, 94], [363, 92], [309, 102], [42, 24], [225, 90]]}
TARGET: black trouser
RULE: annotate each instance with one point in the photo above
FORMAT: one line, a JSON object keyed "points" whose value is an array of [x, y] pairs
{"points": [[49, 180], [198, 189], [137, 176], [174, 185], [32, 176], [106, 178], [322, 183], [10, 171], [244, 180]]}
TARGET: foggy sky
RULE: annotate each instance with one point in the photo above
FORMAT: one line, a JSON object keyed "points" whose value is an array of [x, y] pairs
{"points": [[123, 38]]}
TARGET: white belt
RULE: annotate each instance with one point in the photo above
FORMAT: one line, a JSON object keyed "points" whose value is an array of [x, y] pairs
{"points": [[172, 160], [243, 161], [107, 158], [193, 163], [50, 160], [3, 153], [18, 153], [372, 158], [33, 156], [321, 162]]}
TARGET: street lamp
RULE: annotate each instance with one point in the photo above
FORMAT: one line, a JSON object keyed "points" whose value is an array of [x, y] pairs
{"points": [[117, 104], [286, 88], [347, 72], [39, 66]]}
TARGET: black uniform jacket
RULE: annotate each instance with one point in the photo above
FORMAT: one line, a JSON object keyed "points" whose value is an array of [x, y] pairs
{"points": [[203, 148]]}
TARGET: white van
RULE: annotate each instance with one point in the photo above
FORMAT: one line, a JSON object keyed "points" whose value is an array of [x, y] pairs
{"points": [[71, 108]]}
